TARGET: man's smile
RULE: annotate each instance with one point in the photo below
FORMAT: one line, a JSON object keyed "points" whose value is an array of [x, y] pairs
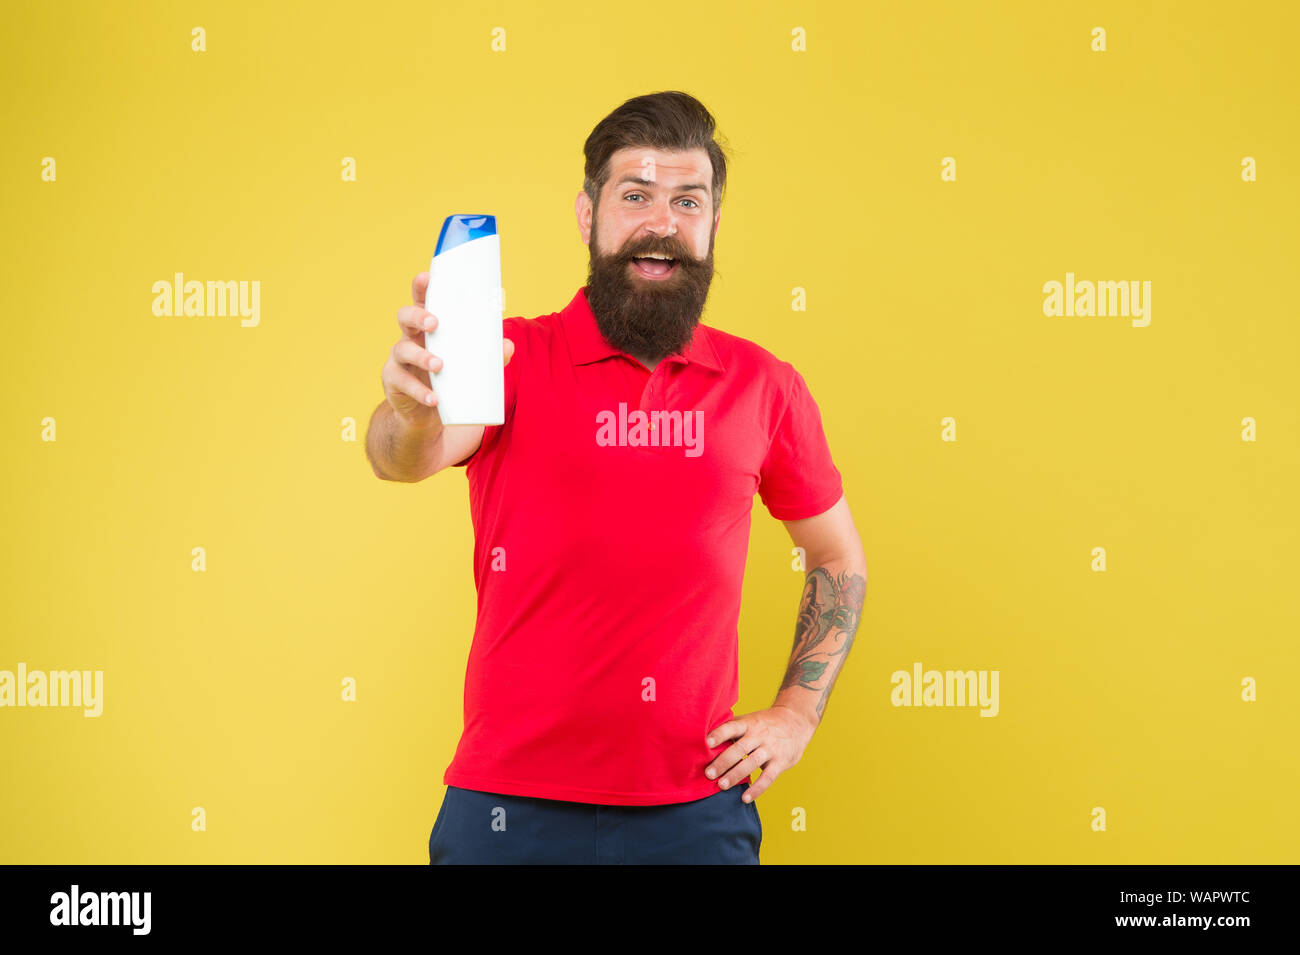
{"points": [[653, 268]]}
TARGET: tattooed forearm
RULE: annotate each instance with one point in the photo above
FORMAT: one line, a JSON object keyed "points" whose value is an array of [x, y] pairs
{"points": [[828, 620]]}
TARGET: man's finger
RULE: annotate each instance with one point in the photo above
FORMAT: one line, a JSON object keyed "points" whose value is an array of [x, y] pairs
{"points": [[730, 760], [414, 321], [419, 286], [738, 773], [726, 731], [757, 789]]}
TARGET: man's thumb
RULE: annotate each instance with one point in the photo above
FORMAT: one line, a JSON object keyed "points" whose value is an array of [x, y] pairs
{"points": [[508, 347]]}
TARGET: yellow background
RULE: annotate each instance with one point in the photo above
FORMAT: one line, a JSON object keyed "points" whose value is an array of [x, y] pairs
{"points": [[222, 689]]}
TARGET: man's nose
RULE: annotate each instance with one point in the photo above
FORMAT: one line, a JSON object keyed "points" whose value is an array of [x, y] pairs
{"points": [[663, 222]]}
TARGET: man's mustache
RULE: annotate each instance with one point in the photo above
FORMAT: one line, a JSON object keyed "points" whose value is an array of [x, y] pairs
{"points": [[670, 249]]}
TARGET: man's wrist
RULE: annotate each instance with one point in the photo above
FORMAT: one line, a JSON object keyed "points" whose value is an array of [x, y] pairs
{"points": [[802, 702]]}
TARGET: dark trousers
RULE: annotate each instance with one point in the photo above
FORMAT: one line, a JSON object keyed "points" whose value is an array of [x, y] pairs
{"points": [[483, 828]]}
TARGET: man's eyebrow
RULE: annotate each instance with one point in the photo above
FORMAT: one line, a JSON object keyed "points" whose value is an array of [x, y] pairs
{"points": [[650, 183]]}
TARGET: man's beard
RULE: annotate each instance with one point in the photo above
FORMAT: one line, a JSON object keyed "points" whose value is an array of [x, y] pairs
{"points": [[648, 318]]}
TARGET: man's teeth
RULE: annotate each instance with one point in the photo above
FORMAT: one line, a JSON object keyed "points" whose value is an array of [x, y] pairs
{"points": [[656, 255]]}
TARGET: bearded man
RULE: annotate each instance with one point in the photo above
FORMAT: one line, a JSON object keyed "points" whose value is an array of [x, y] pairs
{"points": [[598, 722]]}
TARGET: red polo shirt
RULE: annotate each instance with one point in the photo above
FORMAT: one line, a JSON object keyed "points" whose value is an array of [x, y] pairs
{"points": [[610, 545]]}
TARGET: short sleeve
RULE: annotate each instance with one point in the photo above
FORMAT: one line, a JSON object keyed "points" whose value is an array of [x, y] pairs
{"points": [[798, 479], [513, 329]]}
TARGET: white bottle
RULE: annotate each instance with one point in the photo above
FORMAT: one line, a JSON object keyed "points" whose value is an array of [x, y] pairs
{"points": [[465, 295]]}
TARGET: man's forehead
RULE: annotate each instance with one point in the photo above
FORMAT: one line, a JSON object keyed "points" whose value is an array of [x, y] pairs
{"points": [[655, 164]]}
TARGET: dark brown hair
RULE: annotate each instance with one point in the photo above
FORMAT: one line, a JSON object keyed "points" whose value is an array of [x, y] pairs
{"points": [[670, 120]]}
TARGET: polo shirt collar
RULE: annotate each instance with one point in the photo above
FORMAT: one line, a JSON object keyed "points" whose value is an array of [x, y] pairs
{"points": [[587, 344]]}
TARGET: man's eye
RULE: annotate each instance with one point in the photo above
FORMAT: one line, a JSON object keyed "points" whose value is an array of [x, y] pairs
{"points": [[637, 195]]}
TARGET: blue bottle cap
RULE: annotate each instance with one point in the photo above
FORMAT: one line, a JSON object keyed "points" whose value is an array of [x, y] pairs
{"points": [[464, 228]]}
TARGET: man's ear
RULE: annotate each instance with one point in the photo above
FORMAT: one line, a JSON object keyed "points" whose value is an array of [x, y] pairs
{"points": [[582, 210], [717, 221]]}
